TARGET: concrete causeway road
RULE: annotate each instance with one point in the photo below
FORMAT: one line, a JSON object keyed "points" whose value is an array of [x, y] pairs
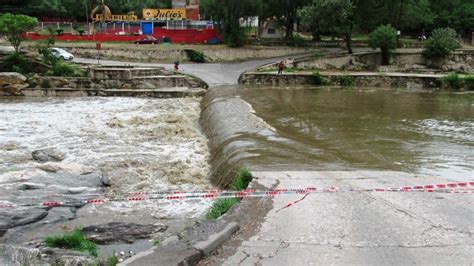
{"points": [[356, 228], [214, 74]]}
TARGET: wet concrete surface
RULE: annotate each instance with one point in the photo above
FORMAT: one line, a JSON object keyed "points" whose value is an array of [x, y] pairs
{"points": [[355, 228]]}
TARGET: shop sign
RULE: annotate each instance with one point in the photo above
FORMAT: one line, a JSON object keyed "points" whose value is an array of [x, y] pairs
{"points": [[164, 14]]}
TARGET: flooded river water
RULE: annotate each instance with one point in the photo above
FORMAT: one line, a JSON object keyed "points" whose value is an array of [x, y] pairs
{"points": [[111, 147], [346, 129]]}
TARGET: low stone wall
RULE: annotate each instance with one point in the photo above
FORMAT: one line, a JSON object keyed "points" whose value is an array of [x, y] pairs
{"points": [[121, 73], [161, 54], [360, 79], [163, 93], [461, 60]]}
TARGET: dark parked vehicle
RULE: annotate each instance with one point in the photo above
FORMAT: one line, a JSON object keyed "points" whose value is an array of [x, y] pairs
{"points": [[149, 40]]}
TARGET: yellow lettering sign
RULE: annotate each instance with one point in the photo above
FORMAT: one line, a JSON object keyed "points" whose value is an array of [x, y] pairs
{"points": [[164, 14], [100, 17]]}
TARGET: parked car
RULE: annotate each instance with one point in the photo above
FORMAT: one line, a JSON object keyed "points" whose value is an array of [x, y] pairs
{"points": [[149, 40], [61, 53]]}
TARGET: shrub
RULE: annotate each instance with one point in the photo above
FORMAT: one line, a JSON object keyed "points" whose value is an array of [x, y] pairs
{"points": [[195, 56], [441, 43], [73, 240], [63, 70], [222, 206], [319, 80], [385, 38], [452, 81], [298, 41], [45, 84], [59, 31], [81, 32], [44, 49], [166, 39], [242, 179], [469, 82], [16, 63], [346, 81]]}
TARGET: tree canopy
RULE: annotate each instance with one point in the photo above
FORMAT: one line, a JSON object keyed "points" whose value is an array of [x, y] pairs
{"points": [[13, 26]]}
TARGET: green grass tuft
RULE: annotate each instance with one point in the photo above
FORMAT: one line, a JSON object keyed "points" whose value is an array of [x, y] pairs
{"points": [[73, 240], [222, 206], [242, 179], [469, 82], [319, 80], [112, 260], [452, 81], [346, 81]]}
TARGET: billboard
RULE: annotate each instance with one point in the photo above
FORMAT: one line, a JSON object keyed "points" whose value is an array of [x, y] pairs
{"points": [[164, 14]]}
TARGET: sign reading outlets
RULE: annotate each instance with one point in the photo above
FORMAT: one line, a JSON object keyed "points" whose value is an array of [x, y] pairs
{"points": [[164, 14]]}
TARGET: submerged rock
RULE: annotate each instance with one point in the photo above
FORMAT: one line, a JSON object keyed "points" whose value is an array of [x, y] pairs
{"points": [[117, 232], [48, 155], [73, 168], [30, 186]]}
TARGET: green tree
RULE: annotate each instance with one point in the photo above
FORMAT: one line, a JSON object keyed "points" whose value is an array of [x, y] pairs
{"points": [[385, 38], [441, 43], [285, 12], [229, 13], [13, 26], [332, 16]]}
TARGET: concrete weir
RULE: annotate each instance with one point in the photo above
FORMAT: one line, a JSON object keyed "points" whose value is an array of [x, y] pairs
{"points": [[329, 228]]}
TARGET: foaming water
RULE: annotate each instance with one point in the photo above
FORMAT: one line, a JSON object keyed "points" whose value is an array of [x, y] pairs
{"points": [[139, 144]]}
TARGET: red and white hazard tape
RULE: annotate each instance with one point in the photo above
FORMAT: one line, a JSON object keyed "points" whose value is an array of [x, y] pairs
{"points": [[459, 187]]}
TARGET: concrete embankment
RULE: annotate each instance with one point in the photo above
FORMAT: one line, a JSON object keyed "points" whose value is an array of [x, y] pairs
{"points": [[366, 79], [168, 54]]}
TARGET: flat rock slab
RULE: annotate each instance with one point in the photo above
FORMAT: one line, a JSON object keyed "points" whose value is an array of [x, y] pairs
{"points": [[10, 218], [118, 232]]}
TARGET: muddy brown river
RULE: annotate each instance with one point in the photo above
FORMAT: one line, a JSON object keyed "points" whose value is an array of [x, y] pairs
{"points": [[428, 133]]}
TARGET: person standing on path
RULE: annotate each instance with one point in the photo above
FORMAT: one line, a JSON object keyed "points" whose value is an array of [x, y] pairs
{"points": [[176, 66], [281, 67]]}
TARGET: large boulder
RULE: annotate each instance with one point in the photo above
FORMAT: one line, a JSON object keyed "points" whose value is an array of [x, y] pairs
{"points": [[12, 83], [12, 78]]}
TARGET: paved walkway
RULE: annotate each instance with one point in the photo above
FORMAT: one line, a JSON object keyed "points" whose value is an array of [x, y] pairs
{"points": [[357, 228]]}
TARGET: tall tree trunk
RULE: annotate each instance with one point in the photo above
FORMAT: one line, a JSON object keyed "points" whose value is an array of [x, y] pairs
{"points": [[289, 28], [385, 57], [348, 43], [316, 36]]}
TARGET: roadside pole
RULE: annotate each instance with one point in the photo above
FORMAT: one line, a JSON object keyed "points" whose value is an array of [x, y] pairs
{"points": [[98, 47]]}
